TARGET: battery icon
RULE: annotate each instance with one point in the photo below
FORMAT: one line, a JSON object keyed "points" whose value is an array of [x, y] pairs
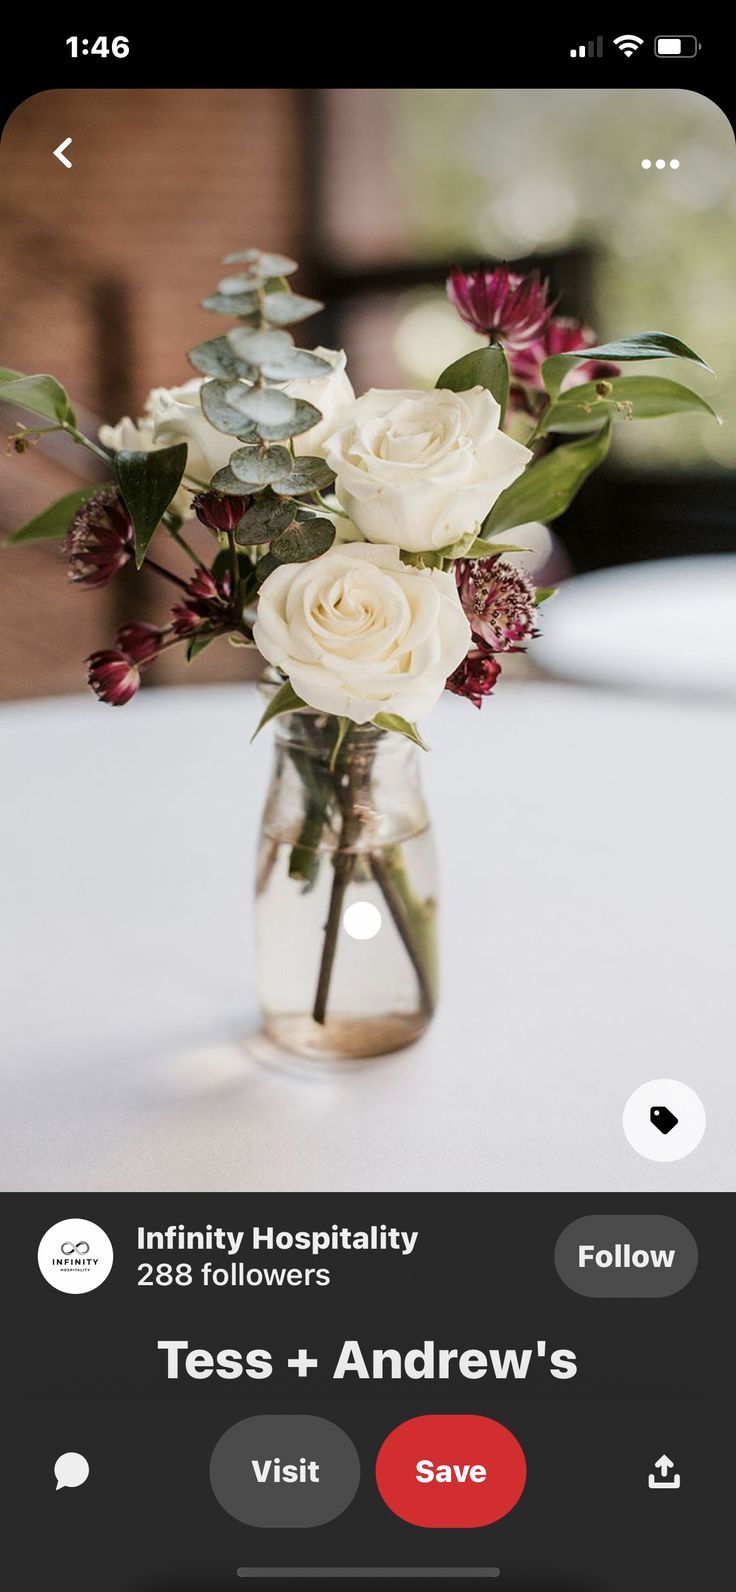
{"points": [[677, 45]]}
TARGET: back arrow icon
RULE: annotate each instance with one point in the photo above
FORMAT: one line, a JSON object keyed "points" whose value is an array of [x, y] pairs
{"points": [[59, 153]]}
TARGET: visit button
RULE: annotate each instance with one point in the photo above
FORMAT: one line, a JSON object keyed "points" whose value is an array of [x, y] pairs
{"points": [[451, 1470]]}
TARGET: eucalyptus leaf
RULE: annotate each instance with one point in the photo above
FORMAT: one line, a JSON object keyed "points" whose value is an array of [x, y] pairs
{"points": [[257, 346], [266, 264], [54, 522], [260, 467], [394, 722], [308, 474], [282, 309], [309, 539], [148, 482], [42, 395], [482, 367], [304, 417], [265, 567], [224, 481], [297, 364], [267, 404], [622, 398], [268, 516], [214, 400], [642, 345], [285, 700], [217, 358], [548, 485], [244, 305], [233, 286]]}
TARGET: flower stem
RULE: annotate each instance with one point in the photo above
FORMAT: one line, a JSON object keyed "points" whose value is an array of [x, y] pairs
{"points": [[397, 907], [343, 866]]}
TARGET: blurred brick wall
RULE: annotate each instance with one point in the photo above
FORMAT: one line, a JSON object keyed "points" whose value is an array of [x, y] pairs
{"points": [[101, 270]]}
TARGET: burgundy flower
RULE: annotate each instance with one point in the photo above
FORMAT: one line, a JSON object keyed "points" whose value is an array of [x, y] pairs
{"points": [[475, 677], [208, 601], [114, 676], [220, 511], [141, 642], [498, 600], [100, 539], [561, 336], [500, 303]]}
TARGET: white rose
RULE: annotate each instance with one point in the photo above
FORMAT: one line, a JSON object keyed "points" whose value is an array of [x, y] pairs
{"points": [[420, 470], [333, 395], [359, 633], [170, 415]]}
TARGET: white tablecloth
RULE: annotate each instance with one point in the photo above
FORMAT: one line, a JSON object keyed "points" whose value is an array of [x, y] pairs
{"points": [[588, 901]]}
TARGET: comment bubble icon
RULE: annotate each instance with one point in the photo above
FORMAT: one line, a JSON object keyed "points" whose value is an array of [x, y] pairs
{"points": [[71, 1470]]}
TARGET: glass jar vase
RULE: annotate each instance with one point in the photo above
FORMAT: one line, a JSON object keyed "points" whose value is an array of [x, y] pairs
{"points": [[346, 893]]}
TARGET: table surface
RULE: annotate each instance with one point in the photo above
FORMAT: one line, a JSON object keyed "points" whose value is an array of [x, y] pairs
{"points": [[586, 841]]}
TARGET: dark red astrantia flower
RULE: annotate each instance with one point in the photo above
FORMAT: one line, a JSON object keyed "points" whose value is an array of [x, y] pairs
{"points": [[499, 602], [563, 335], [500, 303], [100, 539], [208, 601], [113, 676], [220, 511], [115, 673], [475, 677]]}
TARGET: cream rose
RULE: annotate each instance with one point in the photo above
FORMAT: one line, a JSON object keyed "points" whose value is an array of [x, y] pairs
{"points": [[359, 633], [333, 395], [175, 414], [420, 470]]}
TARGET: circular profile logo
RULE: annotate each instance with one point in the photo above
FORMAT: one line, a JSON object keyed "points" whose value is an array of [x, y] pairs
{"points": [[75, 1256]]}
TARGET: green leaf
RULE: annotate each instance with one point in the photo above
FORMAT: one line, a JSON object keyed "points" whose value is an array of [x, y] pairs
{"points": [[216, 357], [244, 305], [282, 309], [223, 415], [393, 721], [481, 548], [643, 345], [197, 645], [297, 364], [343, 728], [43, 395], [308, 474], [148, 482], [483, 367], [258, 467], [548, 485], [621, 398], [257, 347], [543, 595], [54, 522], [308, 539], [268, 516], [285, 700]]}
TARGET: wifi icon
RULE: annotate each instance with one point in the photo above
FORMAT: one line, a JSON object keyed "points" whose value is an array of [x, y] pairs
{"points": [[628, 43]]}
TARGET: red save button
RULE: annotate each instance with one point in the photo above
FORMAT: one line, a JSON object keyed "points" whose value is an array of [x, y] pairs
{"points": [[451, 1470]]}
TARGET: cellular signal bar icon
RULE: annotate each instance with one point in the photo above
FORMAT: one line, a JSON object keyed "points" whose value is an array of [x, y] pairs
{"points": [[594, 47]]}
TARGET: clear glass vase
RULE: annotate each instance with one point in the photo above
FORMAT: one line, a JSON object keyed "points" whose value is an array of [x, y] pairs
{"points": [[346, 893]]}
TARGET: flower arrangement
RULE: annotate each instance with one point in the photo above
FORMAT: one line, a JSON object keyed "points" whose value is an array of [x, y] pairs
{"points": [[355, 541]]}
